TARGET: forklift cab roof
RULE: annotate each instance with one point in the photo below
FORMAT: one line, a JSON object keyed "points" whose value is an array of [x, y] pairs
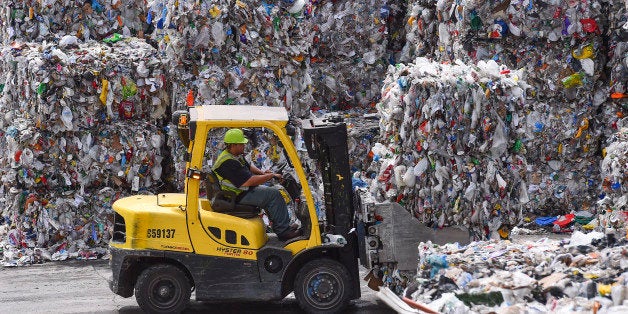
{"points": [[210, 113]]}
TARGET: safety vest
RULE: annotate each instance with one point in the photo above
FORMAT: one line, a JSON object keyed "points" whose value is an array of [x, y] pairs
{"points": [[225, 184]]}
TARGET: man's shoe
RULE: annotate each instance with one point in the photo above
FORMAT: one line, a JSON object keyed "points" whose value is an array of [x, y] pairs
{"points": [[290, 234]]}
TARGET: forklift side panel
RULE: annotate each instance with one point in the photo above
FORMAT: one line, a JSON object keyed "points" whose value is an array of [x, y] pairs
{"points": [[230, 292], [231, 236], [230, 279]]}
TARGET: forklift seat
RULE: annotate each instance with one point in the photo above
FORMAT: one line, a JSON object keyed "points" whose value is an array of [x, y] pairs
{"points": [[225, 201]]}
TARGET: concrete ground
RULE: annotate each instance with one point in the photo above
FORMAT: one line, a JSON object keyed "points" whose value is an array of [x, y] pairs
{"points": [[81, 287]]}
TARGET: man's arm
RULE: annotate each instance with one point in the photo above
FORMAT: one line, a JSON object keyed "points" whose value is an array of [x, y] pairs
{"points": [[235, 172], [258, 179], [256, 170], [259, 176]]}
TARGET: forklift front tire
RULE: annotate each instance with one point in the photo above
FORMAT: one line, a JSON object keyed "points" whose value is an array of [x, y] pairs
{"points": [[323, 286], [163, 288]]}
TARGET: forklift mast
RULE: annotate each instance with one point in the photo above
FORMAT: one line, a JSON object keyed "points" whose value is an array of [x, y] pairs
{"points": [[326, 142]]}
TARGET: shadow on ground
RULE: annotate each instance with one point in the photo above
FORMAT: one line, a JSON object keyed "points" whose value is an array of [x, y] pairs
{"points": [[285, 306]]}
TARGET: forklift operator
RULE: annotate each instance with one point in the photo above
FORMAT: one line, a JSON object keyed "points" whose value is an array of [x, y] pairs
{"points": [[246, 181]]}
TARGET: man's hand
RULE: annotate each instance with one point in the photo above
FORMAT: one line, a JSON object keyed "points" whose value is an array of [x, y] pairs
{"points": [[258, 179], [275, 175]]}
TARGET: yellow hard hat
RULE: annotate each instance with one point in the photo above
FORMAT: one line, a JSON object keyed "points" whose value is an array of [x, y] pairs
{"points": [[235, 136]]}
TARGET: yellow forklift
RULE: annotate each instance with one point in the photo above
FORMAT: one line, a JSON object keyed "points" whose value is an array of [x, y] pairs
{"points": [[165, 246]]}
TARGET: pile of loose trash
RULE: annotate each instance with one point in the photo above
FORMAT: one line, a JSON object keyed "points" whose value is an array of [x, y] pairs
{"points": [[581, 274]]}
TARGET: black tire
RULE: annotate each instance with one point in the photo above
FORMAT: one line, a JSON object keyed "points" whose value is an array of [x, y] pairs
{"points": [[163, 288], [323, 286]]}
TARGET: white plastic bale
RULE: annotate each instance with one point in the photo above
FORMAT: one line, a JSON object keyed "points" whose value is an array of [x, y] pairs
{"points": [[272, 58], [41, 20], [486, 146], [60, 142]]}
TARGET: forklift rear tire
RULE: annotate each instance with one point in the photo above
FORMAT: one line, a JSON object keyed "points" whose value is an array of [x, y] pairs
{"points": [[163, 288], [323, 286]]}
